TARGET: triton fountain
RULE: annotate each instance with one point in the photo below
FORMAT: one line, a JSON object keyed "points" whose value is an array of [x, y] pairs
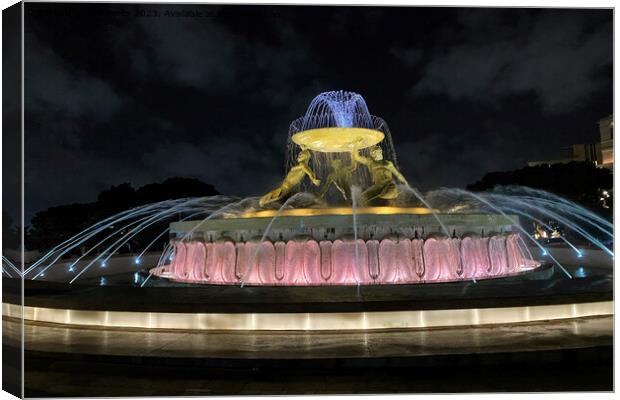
{"points": [[344, 215]]}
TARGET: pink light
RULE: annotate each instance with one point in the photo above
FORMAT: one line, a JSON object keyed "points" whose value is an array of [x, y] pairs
{"points": [[311, 263]]}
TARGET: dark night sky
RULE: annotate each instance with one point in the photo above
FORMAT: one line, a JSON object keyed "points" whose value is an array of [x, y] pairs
{"points": [[114, 98]]}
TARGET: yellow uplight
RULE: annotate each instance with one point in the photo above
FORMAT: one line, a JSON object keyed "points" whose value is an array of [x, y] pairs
{"points": [[337, 139], [307, 321], [304, 212]]}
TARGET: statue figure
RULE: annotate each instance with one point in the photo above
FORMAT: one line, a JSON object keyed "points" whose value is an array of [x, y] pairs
{"points": [[539, 232], [382, 172], [340, 177], [293, 179]]}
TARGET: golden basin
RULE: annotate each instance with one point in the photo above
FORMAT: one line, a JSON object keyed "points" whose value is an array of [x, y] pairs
{"points": [[337, 139]]}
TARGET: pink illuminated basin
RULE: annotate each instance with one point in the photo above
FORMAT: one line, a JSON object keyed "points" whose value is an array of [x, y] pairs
{"points": [[307, 262]]}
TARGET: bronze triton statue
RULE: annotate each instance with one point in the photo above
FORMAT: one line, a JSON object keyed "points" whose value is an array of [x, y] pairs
{"points": [[293, 179], [340, 177], [382, 172]]}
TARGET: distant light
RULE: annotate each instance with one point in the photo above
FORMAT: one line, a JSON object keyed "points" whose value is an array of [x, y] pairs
{"points": [[137, 261], [544, 252], [102, 281], [580, 272], [42, 274], [579, 254], [71, 269], [171, 257], [136, 277], [103, 264]]}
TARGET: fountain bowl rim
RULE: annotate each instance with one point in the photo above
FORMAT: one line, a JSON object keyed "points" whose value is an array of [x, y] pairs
{"points": [[337, 139]]}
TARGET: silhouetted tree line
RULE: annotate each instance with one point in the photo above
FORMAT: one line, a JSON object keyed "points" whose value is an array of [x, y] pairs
{"points": [[50, 227], [580, 182]]}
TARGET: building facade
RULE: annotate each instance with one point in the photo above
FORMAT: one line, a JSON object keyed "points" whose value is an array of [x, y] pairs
{"points": [[606, 131], [600, 153], [581, 152]]}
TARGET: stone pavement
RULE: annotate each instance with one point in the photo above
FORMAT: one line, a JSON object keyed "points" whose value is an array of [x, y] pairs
{"points": [[565, 355]]}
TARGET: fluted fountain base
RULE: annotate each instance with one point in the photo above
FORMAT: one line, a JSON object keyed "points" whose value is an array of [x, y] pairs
{"points": [[307, 262]]}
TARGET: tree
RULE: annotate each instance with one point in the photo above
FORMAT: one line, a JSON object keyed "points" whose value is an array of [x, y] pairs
{"points": [[57, 224], [580, 182]]}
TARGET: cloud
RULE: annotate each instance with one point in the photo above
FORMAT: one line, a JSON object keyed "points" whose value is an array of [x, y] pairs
{"points": [[52, 85], [232, 165], [559, 58], [440, 159], [205, 54], [409, 57], [192, 52]]}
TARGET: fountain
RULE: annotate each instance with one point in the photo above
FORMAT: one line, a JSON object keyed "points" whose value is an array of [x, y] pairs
{"points": [[344, 242], [310, 231], [343, 215]]}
